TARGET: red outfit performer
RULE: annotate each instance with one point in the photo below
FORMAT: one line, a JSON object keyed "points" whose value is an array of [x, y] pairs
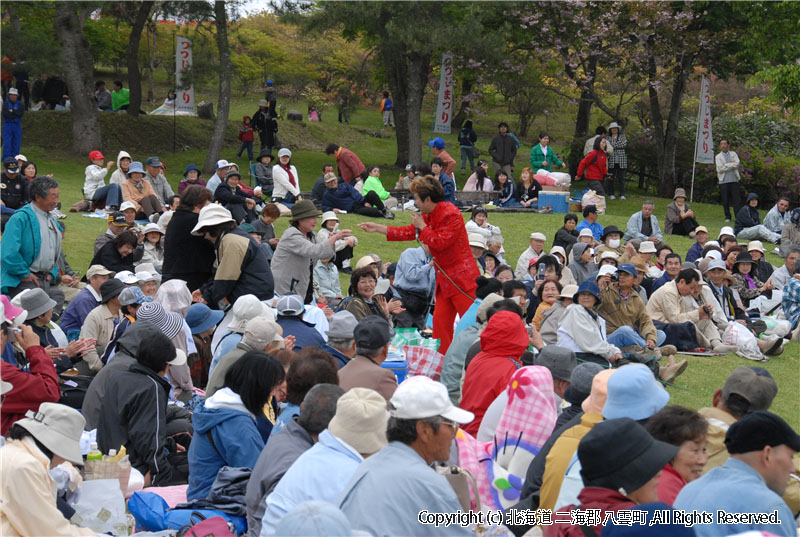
{"points": [[440, 226]]}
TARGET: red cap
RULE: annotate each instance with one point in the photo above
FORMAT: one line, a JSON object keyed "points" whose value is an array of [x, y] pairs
{"points": [[94, 155]]}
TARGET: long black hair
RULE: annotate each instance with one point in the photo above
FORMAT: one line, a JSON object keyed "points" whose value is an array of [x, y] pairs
{"points": [[253, 377]]}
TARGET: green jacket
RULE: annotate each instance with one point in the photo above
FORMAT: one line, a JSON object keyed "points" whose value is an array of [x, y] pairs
{"points": [[120, 98], [373, 183], [538, 157]]}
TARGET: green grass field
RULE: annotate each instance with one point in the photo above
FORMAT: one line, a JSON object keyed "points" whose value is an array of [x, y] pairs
{"points": [[694, 388]]}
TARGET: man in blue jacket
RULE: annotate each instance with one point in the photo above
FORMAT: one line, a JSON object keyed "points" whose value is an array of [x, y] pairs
{"points": [[12, 123], [32, 244], [87, 299], [342, 197]]}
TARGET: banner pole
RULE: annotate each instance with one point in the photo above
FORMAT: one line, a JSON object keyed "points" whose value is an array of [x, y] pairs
{"points": [[696, 134]]}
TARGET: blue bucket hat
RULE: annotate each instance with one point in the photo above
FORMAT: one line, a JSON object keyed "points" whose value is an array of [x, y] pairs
{"points": [[200, 317], [633, 392], [189, 168], [437, 142], [587, 286], [136, 167]]}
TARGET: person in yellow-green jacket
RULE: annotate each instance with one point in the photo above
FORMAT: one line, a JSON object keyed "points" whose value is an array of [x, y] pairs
{"points": [[373, 182]]}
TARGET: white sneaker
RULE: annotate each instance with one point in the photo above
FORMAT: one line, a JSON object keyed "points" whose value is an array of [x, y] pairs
{"points": [[622, 197], [612, 196], [776, 251]]}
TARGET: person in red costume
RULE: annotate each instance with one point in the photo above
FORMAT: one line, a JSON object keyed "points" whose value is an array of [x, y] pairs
{"points": [[439, 226]]}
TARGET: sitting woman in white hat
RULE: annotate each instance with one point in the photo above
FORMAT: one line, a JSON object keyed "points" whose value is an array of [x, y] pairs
{"points": [[343, 247], [37, 443]]}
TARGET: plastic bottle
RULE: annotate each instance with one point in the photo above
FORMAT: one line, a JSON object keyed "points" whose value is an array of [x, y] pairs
{"points": [[94, 453], [111, 454]]}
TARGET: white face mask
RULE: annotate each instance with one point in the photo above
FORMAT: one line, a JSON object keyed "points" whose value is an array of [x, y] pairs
{"points": [[613, 243]]}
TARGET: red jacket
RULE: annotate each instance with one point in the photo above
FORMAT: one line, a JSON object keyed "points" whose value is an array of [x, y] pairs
{"points": [[246, 130], [446, 237], [669, 484], [350, 166], [590, 498], [598, 169], [503, 341], [30, 389]]}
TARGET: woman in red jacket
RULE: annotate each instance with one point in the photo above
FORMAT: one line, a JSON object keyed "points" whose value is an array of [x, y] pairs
{"points": [[594, 166], [29, 389], [439, 225]]}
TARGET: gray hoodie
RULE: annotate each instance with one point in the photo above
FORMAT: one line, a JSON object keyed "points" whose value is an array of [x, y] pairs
{"points": [[125, 356]]}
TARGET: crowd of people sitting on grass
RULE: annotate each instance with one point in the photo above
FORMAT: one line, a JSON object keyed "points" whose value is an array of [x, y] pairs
{"points": [[549, 375]]}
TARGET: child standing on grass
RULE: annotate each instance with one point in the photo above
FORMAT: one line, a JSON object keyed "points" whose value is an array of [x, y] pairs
{"points": [[246, 136]]}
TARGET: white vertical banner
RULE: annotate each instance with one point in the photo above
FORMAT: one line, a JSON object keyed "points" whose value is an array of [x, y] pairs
{"points": [[704, 150], [183, 63], [444, 107]]}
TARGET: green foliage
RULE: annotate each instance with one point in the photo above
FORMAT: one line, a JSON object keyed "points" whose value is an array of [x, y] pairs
{"points": [[108, 39], [785, 82], [759, 131]]}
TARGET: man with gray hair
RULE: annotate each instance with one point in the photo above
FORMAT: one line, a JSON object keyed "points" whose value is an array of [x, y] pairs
{"points": [[495, 245], [260, 334], [643, 226], [31, 245], [341, 344], [316, 411], [782, 275]]}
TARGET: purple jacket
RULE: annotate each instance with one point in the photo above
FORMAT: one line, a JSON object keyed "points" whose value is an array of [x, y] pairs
{"points": [[77, 310]]}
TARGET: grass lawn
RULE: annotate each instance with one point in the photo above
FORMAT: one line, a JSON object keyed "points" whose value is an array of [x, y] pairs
{"points": [[695, 388]]}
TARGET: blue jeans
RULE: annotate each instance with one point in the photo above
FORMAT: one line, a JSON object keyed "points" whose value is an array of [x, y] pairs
{"points": [[112, 194], [625, 336], [249, 147], [510, 203], [466, 153]]}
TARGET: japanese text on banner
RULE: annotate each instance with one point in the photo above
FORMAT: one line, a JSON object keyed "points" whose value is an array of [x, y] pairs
{"points": [[444, 107], [183, 64], [705, 142]]}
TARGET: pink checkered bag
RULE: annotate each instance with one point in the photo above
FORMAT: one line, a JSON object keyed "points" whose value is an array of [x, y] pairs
{"points": [[424, 362]]}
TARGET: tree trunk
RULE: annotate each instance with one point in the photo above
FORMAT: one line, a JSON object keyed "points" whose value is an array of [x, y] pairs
{"points": [[581, 132], [134, 75], [461, 115], [407, 75], [225, 69], [77, 62], [667, 140]]}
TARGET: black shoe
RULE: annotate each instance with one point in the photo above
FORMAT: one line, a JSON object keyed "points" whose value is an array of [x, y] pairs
{"points": [[388, 214], [346, 270]]}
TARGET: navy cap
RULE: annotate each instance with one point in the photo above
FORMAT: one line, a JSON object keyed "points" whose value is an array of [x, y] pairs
{"points": [[627, 267], [373, 332], [154, 162], [11, 164], [189, 168]]}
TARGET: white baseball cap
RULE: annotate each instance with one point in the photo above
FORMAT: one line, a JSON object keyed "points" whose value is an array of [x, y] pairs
{"points": [[727, 230], [420, 397], [586, 232], [284, 152], [223, 164], [21, 157], [127, 205], [606, 269], [127, 277]]}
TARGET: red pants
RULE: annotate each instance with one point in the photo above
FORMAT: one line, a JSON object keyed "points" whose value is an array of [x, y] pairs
{"points": [[444, 315]]}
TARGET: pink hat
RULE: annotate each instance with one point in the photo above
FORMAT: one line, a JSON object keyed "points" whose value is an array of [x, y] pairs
{"points": [[597, 397], [11, 313]]}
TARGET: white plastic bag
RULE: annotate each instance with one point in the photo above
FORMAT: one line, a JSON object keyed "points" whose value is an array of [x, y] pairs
{"points": [[778, 327], [101, 507], [739, 335], [592, 198]]}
